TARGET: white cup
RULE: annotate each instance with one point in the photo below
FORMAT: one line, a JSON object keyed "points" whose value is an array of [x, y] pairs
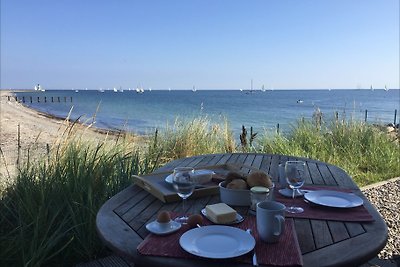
{"points": [[270, 220]]}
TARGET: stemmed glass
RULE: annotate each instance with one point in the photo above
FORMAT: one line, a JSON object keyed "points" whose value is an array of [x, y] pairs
{"points": [[294, 171], [184, 184]]}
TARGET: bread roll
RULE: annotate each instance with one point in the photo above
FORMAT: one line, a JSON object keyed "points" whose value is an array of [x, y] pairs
{"points": [[259, 178], [237, 184]]}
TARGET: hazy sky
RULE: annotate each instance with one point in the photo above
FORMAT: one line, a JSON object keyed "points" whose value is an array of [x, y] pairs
{"points": [[212, 44]]}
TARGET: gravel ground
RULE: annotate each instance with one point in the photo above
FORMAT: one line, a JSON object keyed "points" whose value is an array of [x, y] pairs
{"points": [[386, 198]]}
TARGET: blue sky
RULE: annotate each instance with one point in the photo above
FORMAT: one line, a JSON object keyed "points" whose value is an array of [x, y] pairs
{"points": [[212, 44]]}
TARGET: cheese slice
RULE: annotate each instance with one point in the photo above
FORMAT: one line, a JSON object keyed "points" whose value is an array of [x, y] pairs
{"points": [[220, 213]]}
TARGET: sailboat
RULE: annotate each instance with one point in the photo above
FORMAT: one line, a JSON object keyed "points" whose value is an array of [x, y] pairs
{"points": [[194, 89], [386, 89], [263, 88], [372, 88], [251, 88]]}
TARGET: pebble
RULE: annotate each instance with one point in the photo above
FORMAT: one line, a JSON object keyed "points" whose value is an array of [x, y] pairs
{"points": [[386, 199]]}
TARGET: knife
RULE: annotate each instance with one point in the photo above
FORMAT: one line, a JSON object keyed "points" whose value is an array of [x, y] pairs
{"points": [[255, 263]]}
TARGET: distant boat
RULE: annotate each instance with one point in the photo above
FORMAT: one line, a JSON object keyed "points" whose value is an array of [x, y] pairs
{"points": [[372, 88], [194, 89], [76, 91], [149, 89], [386, 89], [101, 90], [251, 88], [139, 90], [299, 101], [115, 90], [263, 88]]}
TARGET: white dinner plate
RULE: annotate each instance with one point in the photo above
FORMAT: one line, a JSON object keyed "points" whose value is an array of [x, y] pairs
{"points": [[217, 242], [333, 199], [163, 228], [168, 179], [239, 218]]}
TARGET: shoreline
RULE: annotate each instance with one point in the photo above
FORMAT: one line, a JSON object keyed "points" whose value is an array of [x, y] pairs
{"points": [[23, 128]]}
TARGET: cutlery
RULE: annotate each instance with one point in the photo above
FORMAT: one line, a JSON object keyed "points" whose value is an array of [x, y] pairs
{"points": [[255, 263]]}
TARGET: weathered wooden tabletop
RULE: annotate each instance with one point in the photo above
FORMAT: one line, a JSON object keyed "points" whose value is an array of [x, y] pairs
{"points": [[121, 220]]}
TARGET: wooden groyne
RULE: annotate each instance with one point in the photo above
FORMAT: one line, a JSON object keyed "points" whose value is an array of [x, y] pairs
{"points": [[40, 99]]}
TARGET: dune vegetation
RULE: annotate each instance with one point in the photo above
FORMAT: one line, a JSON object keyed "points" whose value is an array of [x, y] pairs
{"points": [[47, 214]]}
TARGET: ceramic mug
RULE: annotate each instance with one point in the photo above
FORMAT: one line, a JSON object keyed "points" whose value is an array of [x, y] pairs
{"points": [[270, 217]]}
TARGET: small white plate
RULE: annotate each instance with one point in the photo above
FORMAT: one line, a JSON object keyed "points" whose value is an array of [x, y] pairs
{"points": [[205, 175], [163, 228], [217, 242], [287, 192], [334, 199], [239, 218]]}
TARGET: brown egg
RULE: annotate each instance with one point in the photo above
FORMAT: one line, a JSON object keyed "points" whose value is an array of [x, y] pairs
{"points": [[163, 217], [195, 219]]}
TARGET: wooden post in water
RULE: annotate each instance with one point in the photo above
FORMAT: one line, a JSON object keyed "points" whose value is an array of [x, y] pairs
{"points": [[58, 98], [52, 99], [30, 99], [23, 99], [65, 99], [395, 117], [71, 99], [38, 99], [366, 115], [45, 99]]}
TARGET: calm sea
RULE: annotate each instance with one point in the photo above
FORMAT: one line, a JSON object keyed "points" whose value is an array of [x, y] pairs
{"points": [[143, 112]]}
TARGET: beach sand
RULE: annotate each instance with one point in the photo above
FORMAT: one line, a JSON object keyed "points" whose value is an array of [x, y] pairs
{"points": [[36, 131]]}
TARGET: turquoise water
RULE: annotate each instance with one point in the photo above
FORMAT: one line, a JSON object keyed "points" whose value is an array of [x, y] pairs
{"points": [[142, 113]]}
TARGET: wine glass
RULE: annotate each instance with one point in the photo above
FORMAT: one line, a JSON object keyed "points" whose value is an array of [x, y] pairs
{"points": [[294, 171], [184, 184]]}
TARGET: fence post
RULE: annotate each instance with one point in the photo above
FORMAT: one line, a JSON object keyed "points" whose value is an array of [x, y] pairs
{"points": [[395, 117], [366, 115], [277, 128]]}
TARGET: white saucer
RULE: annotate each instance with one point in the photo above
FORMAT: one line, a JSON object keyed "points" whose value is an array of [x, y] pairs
{"points": [[287, 192], [163, 228]]}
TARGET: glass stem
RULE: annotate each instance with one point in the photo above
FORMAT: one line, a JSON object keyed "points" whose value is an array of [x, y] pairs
{"points": [[294, 191], [183, 207]]}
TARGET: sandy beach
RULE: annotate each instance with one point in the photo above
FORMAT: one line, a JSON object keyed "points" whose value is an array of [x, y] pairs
{"points": [[36, 131]]}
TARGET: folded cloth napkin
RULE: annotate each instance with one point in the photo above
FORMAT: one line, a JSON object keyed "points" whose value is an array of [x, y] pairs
{"points": [[286, 252], [311, 211]]}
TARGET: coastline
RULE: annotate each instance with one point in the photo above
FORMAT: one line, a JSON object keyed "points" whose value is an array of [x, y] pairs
{"points": [[36, 129]]}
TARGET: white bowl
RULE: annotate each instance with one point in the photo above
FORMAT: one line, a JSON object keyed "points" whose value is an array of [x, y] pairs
{"points": [[234, 197], [239, 197]]}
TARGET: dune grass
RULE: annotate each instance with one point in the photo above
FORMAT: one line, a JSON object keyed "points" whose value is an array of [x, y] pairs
{"points": [[47, 215], [364, 151]]}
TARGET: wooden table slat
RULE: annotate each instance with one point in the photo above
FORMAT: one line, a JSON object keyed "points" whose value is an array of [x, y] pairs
{"points": [[304, 232], [322, 235], [315, 174], [338, 231], [326, 175]]}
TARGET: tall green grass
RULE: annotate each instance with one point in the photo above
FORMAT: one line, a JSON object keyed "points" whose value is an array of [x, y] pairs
{"points": [[364, 151], [47, 215]]}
